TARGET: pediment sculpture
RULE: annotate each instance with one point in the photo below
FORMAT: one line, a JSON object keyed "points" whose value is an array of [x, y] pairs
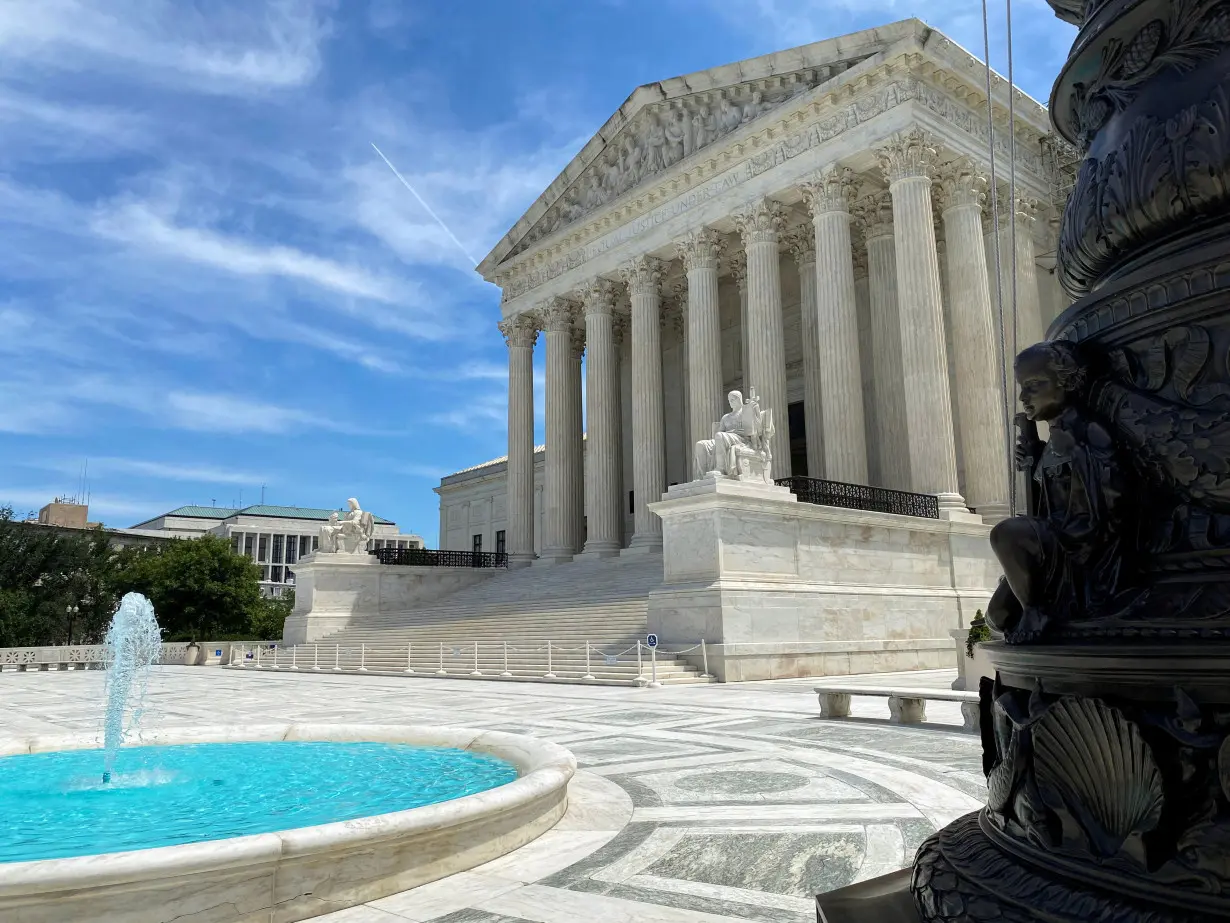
{"points": [[741, 443], [349, 534], [663, 134]]}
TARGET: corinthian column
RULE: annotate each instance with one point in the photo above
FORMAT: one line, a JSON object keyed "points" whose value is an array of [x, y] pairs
{"points": [[841, 382], [802, 245], [975, 345], [559, 496], [738, 272], [908, 161], [576, 432], [892, 437], [759, 226], [644, 275], [602, 482], [520, 333], [699, 252]]}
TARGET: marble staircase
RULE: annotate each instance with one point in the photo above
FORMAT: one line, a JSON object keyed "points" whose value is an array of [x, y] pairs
{"points": [[573, 622]]}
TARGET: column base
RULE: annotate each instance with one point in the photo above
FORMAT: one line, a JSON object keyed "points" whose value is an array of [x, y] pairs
{"points": [[521, 559], [992, 513], [548, 558], [605, 550], [953, 509], [643, 544]]}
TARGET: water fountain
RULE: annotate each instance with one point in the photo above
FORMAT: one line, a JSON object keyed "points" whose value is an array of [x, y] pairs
{"points": [[133, 645], [231, 823]]}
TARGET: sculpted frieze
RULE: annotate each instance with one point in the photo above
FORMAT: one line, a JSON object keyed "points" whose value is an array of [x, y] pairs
{"points": [[857, 112], [663, 134]]}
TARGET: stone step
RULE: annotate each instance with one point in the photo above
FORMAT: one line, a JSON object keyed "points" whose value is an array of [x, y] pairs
{"points": [[601, 677]]}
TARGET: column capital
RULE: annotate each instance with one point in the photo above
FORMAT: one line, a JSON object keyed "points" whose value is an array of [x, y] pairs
{"points": [[873, 215], [558, 313], [760, 221], [909, 154], [801, 242], [961, 185], [576, 343], [1025, 212], [700, 249], [521, 330], [830, 190], [862, 264], [643, 275], [619, 327], [597, 297], [737, 265]]}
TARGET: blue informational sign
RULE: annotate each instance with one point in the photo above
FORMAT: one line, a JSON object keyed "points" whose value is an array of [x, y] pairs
{"points": [[218, 652], [651, 641]]}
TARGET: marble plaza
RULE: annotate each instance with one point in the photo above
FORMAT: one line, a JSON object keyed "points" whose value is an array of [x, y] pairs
{"points": [[696, 805]]}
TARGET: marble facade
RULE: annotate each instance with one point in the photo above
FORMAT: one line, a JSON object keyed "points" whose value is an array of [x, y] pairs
{"points": [[824, 201]]}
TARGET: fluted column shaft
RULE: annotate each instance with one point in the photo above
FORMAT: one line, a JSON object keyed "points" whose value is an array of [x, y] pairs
{"points": [[644, 276], [520, 333], [975, 344], [845, 436], [891, 428], [602, 482], [699, 252], [559, 496], [576, 433], [908, 161], [760, 225], [803, 248]]}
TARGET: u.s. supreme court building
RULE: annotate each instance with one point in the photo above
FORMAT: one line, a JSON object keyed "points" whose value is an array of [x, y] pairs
{"points": [[818, 224]]}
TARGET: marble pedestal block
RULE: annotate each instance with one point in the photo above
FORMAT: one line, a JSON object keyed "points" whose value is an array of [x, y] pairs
{"points": [[778, 588], [331, 590]]}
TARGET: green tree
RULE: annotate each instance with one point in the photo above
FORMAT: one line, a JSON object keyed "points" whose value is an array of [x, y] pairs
{"points": [[268, 623], [55, 586], [200, 588]]}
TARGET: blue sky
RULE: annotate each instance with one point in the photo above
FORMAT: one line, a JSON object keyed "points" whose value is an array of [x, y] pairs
{"points": [[209, 282]]}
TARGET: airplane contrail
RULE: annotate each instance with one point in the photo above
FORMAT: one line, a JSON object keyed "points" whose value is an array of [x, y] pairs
{"points": [[443, 226]]}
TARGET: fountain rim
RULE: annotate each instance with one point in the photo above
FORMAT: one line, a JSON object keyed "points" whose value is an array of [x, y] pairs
{"points": [[544, 770]]}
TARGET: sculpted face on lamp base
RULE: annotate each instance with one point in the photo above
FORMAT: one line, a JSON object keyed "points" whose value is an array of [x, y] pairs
{"points": [[740, 447], [350, 534]]}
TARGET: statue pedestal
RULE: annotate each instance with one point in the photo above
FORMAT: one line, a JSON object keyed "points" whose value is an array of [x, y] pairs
{"points": [[332, 589], [778, 588]]}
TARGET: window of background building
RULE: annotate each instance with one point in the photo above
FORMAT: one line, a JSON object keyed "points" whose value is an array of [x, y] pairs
{"points": [[478, 543], [247, 544], [292, 546], [237, 543], [305, 545], [500, 542], [315, 542], [278, 542], [277, 574], [263, 550]]}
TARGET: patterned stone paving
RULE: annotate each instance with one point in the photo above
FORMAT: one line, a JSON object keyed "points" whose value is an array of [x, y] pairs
{"points": [[701, 803]]}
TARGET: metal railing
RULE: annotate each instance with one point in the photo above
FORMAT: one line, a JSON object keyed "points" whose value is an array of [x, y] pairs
{"points": [[485, 659], [430, 557], [862, 497]]}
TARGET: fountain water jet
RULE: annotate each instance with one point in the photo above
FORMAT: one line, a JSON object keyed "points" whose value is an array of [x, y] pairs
{"points": [[133, 644]]}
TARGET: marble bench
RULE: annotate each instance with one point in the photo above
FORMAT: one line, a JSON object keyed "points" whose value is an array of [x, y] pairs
{"points": [[905, 706]]}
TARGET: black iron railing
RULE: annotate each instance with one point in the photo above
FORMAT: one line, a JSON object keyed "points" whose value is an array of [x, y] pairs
{"points": [[430, 557], [862, 497]]}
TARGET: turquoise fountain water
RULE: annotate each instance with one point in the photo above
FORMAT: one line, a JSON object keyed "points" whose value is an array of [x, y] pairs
{"points": [[133, 645], [55, 805]]}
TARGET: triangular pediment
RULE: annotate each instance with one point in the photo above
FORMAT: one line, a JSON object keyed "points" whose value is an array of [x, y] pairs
{"points": [[663, 124]]}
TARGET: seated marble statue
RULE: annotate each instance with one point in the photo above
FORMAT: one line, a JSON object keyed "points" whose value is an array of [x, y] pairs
{"points": [[1062, 558], [740, 445], [351, 533]]}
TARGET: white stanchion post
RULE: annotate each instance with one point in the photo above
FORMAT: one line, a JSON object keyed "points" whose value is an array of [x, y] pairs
{"points": [[441, 671], [275, 657], [704, 656], [337, 658], [505, 673], [316, 657], [640, 666], [476, 671], [589, 674], [363, 657], [257, 658], [550, 674], [409, 656], [294, 657], [653, 666]]}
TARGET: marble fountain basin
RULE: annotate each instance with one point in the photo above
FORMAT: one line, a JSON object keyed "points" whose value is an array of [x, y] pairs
{"points": [[303, 872]]}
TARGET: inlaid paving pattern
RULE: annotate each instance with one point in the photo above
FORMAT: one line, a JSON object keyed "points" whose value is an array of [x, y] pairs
{"points": [[694, 803]]}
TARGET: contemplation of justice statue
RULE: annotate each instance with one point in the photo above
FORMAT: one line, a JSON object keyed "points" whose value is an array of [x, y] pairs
{"points": [[350, 534], [741, 443]]}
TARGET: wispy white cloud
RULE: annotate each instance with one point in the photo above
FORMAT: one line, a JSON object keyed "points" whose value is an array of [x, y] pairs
{"points": [[168, 471], [243, 48]]}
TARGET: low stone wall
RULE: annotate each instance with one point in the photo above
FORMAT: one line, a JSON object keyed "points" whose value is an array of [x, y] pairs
{"points": [[333, 589], [782, 589]]}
